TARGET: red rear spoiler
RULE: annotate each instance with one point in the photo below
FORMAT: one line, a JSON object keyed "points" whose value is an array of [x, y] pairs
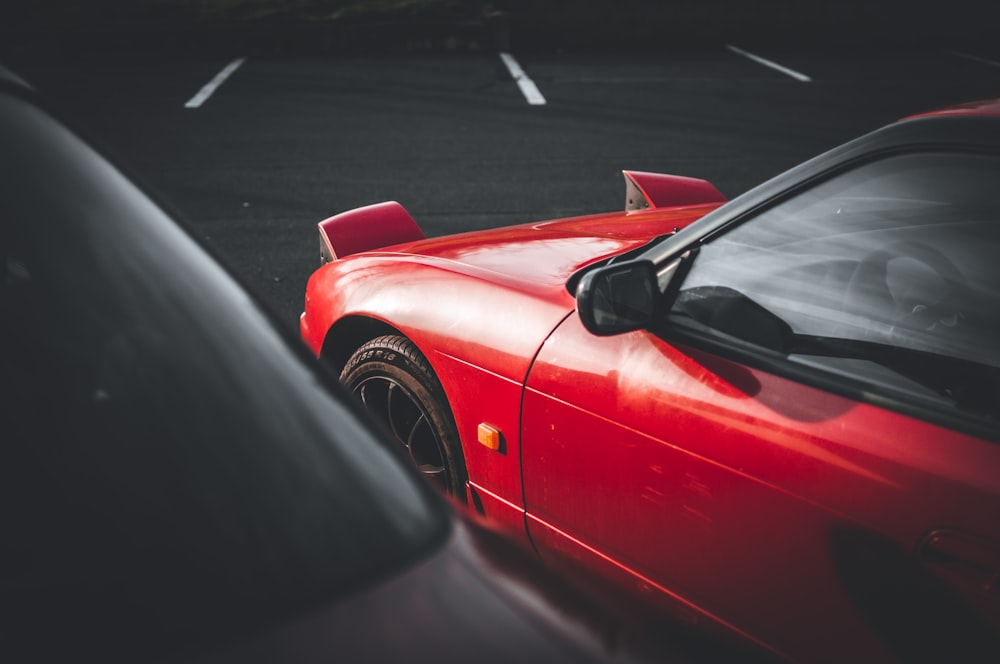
{"points": [[366, 228], [657, 190]]}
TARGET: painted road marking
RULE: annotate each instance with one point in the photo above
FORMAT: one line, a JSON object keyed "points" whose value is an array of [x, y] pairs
{"points": [[773, 65], [969, 56], [528, 87], [211, 86]]}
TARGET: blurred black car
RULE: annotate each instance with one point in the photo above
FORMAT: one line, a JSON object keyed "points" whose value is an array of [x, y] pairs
{"points": [[178, 479]]}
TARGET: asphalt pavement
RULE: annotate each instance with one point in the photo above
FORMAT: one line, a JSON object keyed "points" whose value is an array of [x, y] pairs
{"points": [[453, 131]]}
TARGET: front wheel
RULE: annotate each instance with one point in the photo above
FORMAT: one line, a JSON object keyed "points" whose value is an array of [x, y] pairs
{"points": [[396, 384]]}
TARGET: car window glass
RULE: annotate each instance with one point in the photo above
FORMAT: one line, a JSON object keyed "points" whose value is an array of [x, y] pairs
{"points": [[888, 272]]}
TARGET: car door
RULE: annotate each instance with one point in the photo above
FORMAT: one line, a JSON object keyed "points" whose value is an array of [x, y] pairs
{"points": [[804, 451]]}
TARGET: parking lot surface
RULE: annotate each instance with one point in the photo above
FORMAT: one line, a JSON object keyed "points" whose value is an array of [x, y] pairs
{"points": [[278, 141]]}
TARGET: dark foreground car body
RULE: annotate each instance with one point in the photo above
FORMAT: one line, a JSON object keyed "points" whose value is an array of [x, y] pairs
{"points": [[776, 415], [178, 482]]}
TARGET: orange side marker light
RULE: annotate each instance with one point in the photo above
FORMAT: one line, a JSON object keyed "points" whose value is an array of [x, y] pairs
{"points": [[489, 436]]}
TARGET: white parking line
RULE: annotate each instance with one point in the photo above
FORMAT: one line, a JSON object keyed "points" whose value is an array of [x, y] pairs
{"points": [[969, 56], [773, 65], [210, 87], [528, 87]]}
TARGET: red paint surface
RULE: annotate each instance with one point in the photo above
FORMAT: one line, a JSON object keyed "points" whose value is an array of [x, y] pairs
{"points": [[370, 227], [662, 190], [984, 108], [737, 491]]}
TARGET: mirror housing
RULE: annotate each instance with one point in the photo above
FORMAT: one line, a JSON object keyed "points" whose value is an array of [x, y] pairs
{"points": [[618, 298]]}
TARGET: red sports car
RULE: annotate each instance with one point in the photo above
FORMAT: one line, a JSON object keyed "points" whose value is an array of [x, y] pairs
{"points": [[777, 415]]}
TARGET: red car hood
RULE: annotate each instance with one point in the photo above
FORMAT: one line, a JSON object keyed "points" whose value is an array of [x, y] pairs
{"points": [[548, 253], [473, 276]]}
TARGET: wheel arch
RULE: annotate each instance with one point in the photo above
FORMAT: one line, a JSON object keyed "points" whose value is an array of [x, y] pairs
{"points": [[350, 333]]}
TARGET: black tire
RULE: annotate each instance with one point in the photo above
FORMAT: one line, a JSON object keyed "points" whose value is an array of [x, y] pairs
{"points": [[394, 381]]}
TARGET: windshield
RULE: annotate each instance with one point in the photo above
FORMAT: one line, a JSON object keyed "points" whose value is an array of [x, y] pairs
{"points": [[172, 469], [886, 273]]}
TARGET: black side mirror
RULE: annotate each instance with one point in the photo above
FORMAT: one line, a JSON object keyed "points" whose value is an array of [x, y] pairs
{"points": [[618, 298]]}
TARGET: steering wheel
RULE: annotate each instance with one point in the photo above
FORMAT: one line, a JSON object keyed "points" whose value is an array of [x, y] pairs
{"points": [[868, 292]]}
